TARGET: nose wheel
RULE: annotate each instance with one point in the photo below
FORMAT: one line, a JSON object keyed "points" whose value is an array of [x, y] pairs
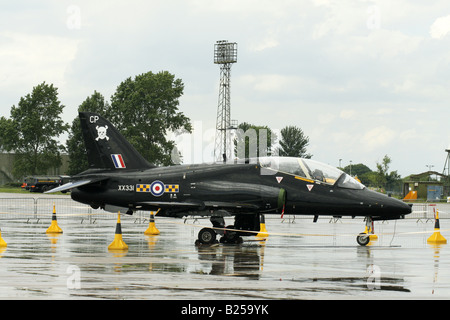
{"points": [[364, 238]]}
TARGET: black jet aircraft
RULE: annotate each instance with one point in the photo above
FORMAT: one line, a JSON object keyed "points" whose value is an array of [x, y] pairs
{"points": [[119, 176]]}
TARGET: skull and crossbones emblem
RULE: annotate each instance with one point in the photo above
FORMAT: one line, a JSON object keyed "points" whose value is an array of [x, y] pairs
{"points": [[101, 132]]}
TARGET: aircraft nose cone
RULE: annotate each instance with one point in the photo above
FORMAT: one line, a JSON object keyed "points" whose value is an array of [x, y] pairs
{"points": [[400, 207], [389, 207], [395, 208]]}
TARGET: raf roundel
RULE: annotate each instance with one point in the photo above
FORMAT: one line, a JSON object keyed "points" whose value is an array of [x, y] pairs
{"points": [[157, 188]]}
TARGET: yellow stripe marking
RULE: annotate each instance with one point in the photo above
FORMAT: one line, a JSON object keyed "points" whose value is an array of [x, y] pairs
{"points": [[304, 179]]}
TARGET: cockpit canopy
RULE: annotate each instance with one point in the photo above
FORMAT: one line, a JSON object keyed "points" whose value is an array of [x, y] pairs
{"points": [[310, 170]]}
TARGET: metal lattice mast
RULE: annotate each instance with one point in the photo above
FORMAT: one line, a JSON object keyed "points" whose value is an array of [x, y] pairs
{"points": [[446, 170], [446, 173], [225, 54]]}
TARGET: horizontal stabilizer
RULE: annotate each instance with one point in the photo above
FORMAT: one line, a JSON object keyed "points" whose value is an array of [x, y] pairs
{"points": [[71, 185]]}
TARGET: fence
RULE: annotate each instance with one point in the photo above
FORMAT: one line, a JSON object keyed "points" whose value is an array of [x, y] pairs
{"points": [[37, 209], [41, 208]]}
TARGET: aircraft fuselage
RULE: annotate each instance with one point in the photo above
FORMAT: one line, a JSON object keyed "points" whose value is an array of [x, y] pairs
{"points": [[236, 188], [119, 178]]}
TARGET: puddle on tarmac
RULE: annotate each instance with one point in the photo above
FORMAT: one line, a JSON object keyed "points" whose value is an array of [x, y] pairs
{"points": [[78, 265]]}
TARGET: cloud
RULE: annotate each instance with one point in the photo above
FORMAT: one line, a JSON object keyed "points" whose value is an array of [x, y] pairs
{"points": [[357, 76], [277, 84], [337, 19], [326, 118], [347, 114], [29, 59], [387, 44], [384, 111], [377, 137], [266, 43], [409, 136], [440, 28]]}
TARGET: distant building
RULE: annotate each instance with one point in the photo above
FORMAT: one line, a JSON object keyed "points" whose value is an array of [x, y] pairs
{"points": [[427, 188], [7, 162]]}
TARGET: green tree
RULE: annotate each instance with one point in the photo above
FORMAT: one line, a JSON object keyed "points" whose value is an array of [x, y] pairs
{"points": [[360, 170], [75, 144], [382, 179], [145, 109], [253, 141], [32, 131], [394, 181], [379, 178], [293, 143]]}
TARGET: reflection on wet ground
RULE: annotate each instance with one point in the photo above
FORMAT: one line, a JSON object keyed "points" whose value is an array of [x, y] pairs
{"points": [[300, 260]]}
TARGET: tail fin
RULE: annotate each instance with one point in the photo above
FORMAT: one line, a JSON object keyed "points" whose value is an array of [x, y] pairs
{"points": [[106, 147]]}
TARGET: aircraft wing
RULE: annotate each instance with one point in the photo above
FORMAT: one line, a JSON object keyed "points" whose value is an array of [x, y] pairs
{"points": [[73, 184], [230, 205], [162, 204], [200, 205]]}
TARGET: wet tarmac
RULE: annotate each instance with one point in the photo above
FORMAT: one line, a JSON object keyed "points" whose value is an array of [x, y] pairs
{"points": [[299, 260]]}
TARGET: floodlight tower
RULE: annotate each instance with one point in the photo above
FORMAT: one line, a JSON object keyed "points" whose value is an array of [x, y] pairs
{"points": [[225, 54], [446, 170], [446, 173]]}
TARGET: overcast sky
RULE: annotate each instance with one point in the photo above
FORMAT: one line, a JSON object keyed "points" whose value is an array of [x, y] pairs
{"points": [[362, 78]]}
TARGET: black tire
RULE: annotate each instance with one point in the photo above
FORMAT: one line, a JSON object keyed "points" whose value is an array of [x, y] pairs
{"points": [[363, 239], [207, 236]]}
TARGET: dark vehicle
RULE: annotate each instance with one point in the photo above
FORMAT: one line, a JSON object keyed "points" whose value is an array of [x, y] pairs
{"points": [[119, 176], [42, 183]]}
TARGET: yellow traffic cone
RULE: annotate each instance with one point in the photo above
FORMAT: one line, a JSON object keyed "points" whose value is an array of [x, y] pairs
{"points": [[118, 243], [436, 237], [262, 227], [2, 242], [54, 228], [152, 230]]}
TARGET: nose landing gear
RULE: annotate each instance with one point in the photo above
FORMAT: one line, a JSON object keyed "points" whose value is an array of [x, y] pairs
{"points": [[368, 235]]}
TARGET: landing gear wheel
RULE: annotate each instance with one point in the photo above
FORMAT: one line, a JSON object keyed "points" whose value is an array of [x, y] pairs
{"points": [[363, 239], [207, 236]]}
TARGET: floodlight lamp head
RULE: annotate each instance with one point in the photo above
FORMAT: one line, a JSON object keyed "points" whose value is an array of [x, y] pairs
{"points": [[225, 52]]}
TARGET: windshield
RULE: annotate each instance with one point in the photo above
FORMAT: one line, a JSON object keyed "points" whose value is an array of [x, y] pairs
{"points": [[310, 170], [350, 183]]}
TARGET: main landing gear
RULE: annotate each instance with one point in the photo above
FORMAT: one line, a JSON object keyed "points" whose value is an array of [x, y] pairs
{"points": [[229, 234], [365, 237], [208, 236]]}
